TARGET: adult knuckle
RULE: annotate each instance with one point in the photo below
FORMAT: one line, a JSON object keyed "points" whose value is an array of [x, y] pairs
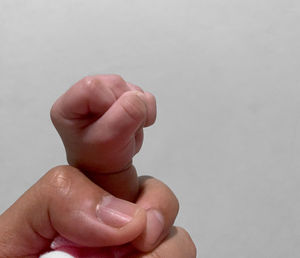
{"points": [[6, 238], [154, 254], [175, 203], [58, 180], [173, 200], [176, 208], [188, 241], [54, 113]]}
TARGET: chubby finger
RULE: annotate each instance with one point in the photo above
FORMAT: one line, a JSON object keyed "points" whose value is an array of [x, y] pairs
{"points": [[151, 105], [178, 244], [134, 87], [162, 207], [150, 102], [120, 123], [91, 96], [139, 137], [65, 202]]}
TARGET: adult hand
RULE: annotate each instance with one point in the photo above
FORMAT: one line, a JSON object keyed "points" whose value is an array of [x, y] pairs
{"points": [[65, 202]]}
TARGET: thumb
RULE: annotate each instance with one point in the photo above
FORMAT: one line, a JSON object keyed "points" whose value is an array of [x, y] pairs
{"points": [[120, 123], [64, 202], [117, 127]]}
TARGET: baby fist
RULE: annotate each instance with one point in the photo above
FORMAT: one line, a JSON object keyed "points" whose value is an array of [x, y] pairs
{"points": [[100, 120]]}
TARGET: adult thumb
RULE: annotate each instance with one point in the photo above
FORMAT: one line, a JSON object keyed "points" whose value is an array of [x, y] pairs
{"points": [[65, 202]]}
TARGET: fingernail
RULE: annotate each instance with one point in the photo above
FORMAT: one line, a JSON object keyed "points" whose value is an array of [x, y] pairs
{"points": [[60, 241], [115, 212], [155, 226], [140, 95]]}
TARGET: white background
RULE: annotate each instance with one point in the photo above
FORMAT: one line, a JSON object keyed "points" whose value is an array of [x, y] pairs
{"points": [[226, 78]]}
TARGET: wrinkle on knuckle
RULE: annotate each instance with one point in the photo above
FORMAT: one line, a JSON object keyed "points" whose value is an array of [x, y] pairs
{"points": [[116, 79], [134, 109], [57, 112], [7, 237], [138, 88], [116, 84], [77, 214], [59, 181]]}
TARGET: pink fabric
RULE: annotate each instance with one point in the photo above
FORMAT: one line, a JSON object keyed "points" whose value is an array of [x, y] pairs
{"points": [[62, 244], [108, 252]]}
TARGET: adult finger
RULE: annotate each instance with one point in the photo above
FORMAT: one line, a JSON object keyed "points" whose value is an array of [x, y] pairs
{"points": [[64, 202], [178, 244], [162, 207]]}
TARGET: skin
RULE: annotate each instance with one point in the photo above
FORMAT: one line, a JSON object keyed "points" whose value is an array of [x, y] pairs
{"points": [[63, 202], [100, 120]]}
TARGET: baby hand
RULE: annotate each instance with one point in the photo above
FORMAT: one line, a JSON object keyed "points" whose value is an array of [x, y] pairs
{"points": [[100, 120]]}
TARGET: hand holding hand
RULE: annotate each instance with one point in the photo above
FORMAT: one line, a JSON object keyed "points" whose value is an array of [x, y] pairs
{"points": [[65, 202]]}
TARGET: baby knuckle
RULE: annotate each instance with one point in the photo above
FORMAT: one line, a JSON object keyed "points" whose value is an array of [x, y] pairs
{"points": [[88, 80], [151, 97], [116, 79], [89, 83], [116, 83], [138, 88]]}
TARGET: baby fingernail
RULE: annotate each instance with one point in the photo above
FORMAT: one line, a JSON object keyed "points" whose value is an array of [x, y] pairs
{"points": [[141, 95], [155, 226], [115, 212]]}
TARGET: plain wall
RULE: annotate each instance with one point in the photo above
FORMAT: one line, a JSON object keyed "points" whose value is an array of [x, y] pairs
{"points": [[226, 77]]}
